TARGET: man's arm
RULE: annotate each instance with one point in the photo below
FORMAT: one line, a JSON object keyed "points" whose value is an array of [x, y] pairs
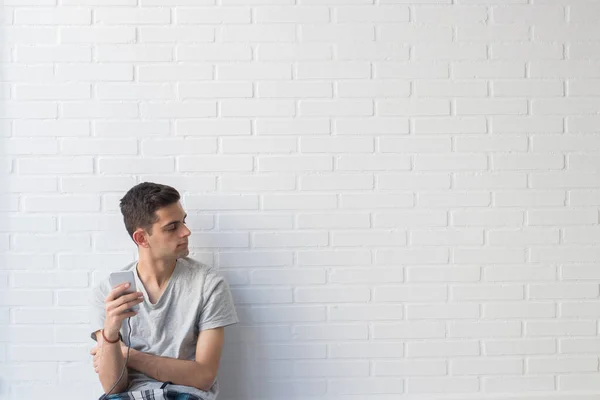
{"points": [[200, 373], [110, 364]]}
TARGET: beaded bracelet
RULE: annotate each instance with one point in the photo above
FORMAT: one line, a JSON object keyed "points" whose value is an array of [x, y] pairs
{"points": [[110, 341]]}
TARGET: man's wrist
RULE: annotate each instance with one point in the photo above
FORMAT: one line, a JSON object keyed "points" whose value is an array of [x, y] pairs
{"points": [[110, 337]]}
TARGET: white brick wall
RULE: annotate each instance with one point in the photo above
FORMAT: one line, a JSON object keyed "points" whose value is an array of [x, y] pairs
{"points": [[403, 194]]}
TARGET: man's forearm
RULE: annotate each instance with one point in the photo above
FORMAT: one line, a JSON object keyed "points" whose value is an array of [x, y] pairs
{"points": [[165, 369], [111, 364]]}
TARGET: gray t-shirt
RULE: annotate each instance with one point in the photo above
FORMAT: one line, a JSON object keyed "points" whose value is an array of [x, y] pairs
{"points": [[196, 298]]}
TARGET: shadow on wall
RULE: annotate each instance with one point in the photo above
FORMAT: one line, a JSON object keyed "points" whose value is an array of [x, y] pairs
{"points": [[251, 366], [7, 202]]}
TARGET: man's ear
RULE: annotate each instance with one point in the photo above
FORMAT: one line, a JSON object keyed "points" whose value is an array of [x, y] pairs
{"points": [[140, 237]]}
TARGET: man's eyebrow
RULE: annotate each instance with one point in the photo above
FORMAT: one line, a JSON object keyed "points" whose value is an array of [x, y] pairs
{"points": [[174, 222]]}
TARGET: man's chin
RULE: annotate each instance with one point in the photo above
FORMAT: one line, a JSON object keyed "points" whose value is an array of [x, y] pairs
{"points": [[183, 252]]}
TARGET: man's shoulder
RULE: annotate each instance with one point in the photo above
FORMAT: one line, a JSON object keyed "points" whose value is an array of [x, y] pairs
{"points": [[103, 285], [195, 270]]}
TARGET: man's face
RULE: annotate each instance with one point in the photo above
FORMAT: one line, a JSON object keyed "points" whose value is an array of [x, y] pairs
{"points": [[169, 238]]}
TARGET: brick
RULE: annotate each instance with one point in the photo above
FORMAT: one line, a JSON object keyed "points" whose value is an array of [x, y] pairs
{"points": [[492, 144], [178, 109], [332, 295], [254, 71], [293, 52], [386, 88], [255, 258], [331, 332], [279, 33], [53, 16], [454, 162], [450, 125], [133, 53], [215, 163], [254, 183], [529, 87], [134, 91], [371, 51], [94, 72], [524, 273], [445, 88], [292, 15], [336, 182], [414, 145], [333, 258], [492, 33], [369, 238], [564, 69], [258, 108], [409, 368], [36, 146], [411, 70], [136, 165], [529, 14], [487, 218], [130, 128], [443, 274], [526, 124], [97, 34], [61, 203], [192, 146], [561, 364], [212, 15], [519, 347], [490, 107], [409, 293], [449, 311], [446, 51], [413, 107], [345, 220], [132, 16], [337, 33], [518, 384], [373, 162], [312, 126], [488, 69], [288, 276], [527, 51], [500, 255], [336, 108], [214, 127], [30, 35], [371, 126], [295, 163], [168, 73], [519, 310], [55, 165], [382, 201], [298, 201], [175, 34], [294, 89], [582, 87], [483, 329], [49, 53]]}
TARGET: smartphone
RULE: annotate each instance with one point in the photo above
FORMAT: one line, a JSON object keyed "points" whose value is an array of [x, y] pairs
{"points": [[118, 278]]}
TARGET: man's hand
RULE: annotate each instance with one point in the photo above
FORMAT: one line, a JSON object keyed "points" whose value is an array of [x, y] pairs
{"points": [[115, 305], [97, 354]]}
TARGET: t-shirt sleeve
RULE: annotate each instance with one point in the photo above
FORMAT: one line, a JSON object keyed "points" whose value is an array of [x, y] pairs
{"points": [[97, 310], [218, 309]]}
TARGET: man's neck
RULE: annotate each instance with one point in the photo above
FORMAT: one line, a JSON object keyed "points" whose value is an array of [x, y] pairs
{"points": [[153, 272]]}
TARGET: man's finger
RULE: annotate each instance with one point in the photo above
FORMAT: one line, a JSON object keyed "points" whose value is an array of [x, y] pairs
{"points": [[116, 292]]}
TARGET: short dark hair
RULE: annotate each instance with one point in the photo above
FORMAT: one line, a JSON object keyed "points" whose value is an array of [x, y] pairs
{"points": [[140, 203]]}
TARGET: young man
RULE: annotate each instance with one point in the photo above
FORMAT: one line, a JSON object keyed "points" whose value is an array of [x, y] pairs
{"points": [[183, 307]]}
